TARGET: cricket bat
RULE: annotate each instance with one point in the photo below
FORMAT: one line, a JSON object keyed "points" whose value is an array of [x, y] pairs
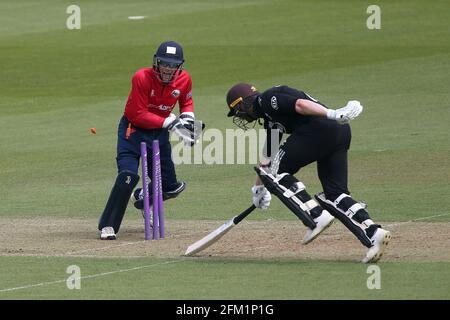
{"points": [[215, 235]]}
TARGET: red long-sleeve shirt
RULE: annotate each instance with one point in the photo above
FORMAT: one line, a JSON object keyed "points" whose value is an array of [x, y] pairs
{"points": [[150, 102]]}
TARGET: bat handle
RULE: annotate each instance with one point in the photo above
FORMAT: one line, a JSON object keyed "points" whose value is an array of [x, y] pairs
{"points": [[244, 214]]}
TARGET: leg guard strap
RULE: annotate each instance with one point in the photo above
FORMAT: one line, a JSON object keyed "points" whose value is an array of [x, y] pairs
{"points": [[297, 189], [291, 192], [351, 213]]}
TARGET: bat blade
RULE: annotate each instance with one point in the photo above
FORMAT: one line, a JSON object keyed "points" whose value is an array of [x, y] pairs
{"points": [[209, 239]]}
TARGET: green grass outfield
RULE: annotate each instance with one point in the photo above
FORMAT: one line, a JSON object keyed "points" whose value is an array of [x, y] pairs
{"points": [[212, 279], [56, 83]]}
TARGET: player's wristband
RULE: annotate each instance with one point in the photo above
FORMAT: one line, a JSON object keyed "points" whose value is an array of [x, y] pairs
{"points": [[331, 114]]}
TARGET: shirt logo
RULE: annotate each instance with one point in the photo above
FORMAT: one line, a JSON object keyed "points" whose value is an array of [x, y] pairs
{"points": [[176, 93], [160, 107], [189, 95], [274, 103], [152, 93], [164, 108]]}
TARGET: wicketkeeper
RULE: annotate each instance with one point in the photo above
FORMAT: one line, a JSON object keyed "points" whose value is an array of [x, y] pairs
{"points": [[148, 116], [317, 134]]}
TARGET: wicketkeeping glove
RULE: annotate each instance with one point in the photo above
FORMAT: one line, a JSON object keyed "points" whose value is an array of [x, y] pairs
{"points": [[347, 113], [261, 197], [182, 128], [188, 119], [179, 127], [189, 122]]}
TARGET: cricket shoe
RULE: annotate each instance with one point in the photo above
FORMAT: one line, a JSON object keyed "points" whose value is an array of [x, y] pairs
{"points": [[322, 223], [137, 197], [107, 233], [379, 241]]}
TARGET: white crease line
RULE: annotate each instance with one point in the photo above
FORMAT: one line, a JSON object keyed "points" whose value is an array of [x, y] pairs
{"points": [[120, 245], [88, 277], [424, 218], [112, 247], [43, 255], [268, 220], [158, 264], [103, 248], [394, 224], [77, 252], [398, 224], [341, 234]]}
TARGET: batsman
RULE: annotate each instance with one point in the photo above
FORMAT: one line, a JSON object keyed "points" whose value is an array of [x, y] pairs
{"points": [[317, 134], [148, 116]]}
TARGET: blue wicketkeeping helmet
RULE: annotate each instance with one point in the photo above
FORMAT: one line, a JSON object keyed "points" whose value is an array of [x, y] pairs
{"points": [[169, 54]]}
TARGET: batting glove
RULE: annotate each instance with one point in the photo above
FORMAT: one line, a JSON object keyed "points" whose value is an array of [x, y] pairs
{"points": [[261, 197], [347, 113]]}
